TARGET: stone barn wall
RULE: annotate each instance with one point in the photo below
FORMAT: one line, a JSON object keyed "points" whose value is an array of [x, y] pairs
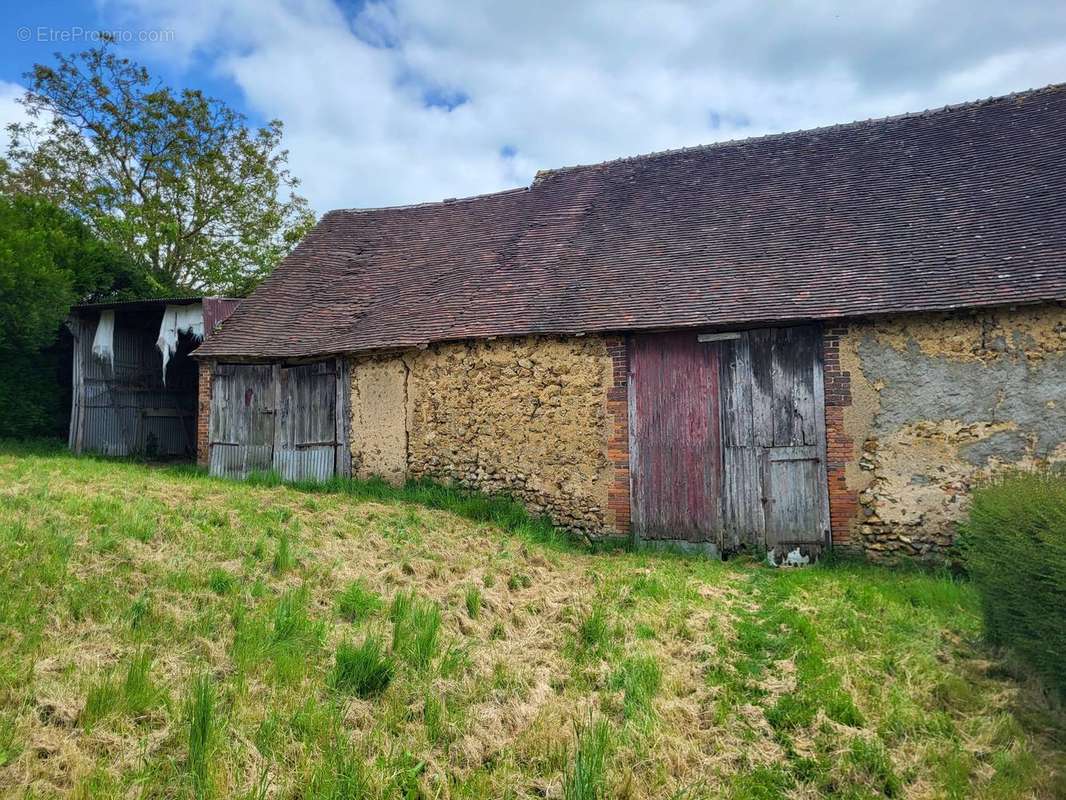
{"points": [[919, 408], [922, 407], [538, 418]]}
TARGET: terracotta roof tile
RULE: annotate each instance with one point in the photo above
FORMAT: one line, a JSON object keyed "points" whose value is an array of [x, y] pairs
{"points": [[965, 206]]}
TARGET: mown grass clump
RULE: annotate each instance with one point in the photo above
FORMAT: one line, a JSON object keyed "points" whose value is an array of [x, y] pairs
{"points": [[473, 602], [283, 558], [134, 695], [585, 777], [200, 717], [594, 630], [1014, 547], [363, 670], [416, 626], [639, 678], [220, 581], [357, 603]]}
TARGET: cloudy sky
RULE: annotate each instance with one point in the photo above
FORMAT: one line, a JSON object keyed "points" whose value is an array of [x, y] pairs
{"points": [[413, 100]]}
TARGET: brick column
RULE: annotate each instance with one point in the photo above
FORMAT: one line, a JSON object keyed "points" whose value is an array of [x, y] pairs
{"points": [[618, 444], [203, 412], [840, 448]]}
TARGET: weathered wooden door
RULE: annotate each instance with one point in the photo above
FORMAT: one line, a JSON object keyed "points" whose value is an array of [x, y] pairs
{"points": [[675, 451], [306, 441], [773, 423], [727, 439], [241, 432]]}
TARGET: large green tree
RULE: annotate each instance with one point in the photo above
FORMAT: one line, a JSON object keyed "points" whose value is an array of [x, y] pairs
{"points": [[48, 260], [175, 180]]}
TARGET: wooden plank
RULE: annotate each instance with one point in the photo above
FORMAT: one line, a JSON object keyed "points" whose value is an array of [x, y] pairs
{"points": [[718, 337], [307, 443], [736, 383], [762, 387], [78, 329], [793, 387], [802, 452], [820, 438], [793, 510], [241, 426], [743, 519], [344, 422]]}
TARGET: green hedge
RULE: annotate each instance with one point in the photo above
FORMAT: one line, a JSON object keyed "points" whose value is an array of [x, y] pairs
{"points": [[1014, 546]]}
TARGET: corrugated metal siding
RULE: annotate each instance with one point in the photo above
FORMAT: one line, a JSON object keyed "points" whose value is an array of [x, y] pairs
{"points": [[127, 410], [239, 462], [313, 463]]}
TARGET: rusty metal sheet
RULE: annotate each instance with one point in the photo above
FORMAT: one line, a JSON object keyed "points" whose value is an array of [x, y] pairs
{"points": [[217, 311]]}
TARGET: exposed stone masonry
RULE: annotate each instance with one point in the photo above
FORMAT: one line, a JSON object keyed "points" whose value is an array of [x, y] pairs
{"points": [[535, 418], [939, 404]]}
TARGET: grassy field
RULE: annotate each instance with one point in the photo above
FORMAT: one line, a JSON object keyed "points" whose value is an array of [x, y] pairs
{"points": [[164, 634]]}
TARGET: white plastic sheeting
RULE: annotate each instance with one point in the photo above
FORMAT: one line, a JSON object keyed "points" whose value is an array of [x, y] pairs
{"points": [[177, 320], [104, 340]]}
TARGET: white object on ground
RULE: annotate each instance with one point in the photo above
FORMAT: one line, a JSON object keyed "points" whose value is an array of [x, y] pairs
{"points": [[794, 559], [104, 339], [177, 320]]}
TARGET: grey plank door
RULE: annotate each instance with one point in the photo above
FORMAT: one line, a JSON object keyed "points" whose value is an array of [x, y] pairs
{"points": [[773, 422], [241, 432], [306, 442]]}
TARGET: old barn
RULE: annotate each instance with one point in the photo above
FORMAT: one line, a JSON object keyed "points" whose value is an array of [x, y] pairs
{"points": [[812, 339]]}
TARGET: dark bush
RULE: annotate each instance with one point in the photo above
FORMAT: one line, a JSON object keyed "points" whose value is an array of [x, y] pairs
{"points": [[1014, 546]]}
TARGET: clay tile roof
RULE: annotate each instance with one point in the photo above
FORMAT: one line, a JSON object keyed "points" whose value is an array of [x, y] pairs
{"points": [[962, 206]]}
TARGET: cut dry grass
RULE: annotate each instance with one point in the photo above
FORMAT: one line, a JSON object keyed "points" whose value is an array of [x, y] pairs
{"points": [[164, 634]]}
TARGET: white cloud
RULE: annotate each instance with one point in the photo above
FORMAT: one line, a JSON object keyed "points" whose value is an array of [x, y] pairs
{"points": [[413, 100], [10, 110]]}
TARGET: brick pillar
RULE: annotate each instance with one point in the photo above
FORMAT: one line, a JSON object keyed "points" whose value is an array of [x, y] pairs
{"points": [[840, 448], [203, 412], [618, 444]]}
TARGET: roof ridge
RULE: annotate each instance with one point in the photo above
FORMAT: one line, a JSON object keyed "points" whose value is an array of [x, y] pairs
{"points": [[448, 201], [859, 123]]}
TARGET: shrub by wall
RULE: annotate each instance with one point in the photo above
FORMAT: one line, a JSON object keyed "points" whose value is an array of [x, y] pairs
{"points": [[1014, 546]]}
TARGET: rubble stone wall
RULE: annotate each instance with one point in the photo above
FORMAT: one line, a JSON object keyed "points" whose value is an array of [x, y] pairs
{"points": [[529, 417], [938, 403]]}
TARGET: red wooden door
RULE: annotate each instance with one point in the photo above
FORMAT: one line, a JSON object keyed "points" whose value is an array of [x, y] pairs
{"points": [[675, 446]]}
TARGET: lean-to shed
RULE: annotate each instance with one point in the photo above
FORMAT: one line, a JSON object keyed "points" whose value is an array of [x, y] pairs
{"points": [[135, 387]]}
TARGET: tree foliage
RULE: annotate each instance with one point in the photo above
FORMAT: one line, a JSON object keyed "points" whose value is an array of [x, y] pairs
{"points": [[174, 179], [48, 261]]}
